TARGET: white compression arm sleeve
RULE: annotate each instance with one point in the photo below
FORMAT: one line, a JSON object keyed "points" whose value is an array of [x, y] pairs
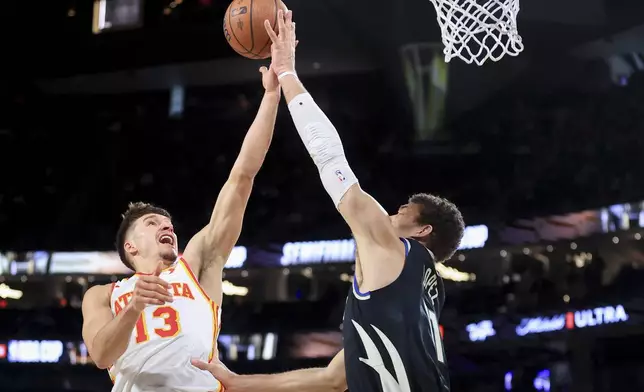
{"points": [[324, 145]]}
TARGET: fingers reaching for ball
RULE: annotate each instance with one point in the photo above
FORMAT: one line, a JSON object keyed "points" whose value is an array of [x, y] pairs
{"points": [[289, 19], [270, 31], [281, 25], [283, 43], [285, 27]]}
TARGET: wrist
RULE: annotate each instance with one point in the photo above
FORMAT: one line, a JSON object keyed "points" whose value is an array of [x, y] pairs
{"points": [[275, 94], [232, 382], [286, 74]]}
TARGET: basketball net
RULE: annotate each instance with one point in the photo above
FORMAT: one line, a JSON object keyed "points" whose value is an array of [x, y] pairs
{"points": [[478, 30]]}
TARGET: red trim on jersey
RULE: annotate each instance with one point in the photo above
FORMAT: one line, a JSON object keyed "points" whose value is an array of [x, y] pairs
{"points": [[194, 279], [216, 323], [214, 307], [221, 388]]}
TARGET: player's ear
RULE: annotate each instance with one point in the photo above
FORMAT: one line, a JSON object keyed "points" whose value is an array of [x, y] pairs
{"points": [[130, 248], [424, 231]]}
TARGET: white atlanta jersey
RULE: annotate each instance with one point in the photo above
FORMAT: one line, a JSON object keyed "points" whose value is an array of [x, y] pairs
{"points": [[167, 336]]}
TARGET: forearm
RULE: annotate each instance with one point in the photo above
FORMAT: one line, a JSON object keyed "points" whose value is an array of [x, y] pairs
{"points": [[112, 340], [320, 138], [258, 138], [292, 87], [305, 380]]}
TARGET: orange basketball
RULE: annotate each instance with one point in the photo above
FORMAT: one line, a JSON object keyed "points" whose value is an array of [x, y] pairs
{"points": [[244, 26]]}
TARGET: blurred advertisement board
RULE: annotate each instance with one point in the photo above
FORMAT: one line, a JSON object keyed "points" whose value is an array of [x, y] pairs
{"points": [[23, 263]]}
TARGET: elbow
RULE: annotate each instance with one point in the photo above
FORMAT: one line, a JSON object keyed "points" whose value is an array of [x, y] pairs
{"points": [[334, 382], [338, 386], [248, 164], [244, 174], [100, 359], [101, 363]]}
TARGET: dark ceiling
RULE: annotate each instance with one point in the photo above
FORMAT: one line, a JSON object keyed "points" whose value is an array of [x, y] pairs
{"points": [[43, 41]]}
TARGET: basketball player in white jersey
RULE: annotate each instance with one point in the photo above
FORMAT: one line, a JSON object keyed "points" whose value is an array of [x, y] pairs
{"points": [[146, 328]]}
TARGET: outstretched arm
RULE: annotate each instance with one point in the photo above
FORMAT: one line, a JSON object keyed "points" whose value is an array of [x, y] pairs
{"points": [[364, 215], [369, 222], [208, 250], [329, 379]]}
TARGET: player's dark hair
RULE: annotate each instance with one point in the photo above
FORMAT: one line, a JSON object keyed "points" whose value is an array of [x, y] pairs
{"points": [[446, 221], [134, 212]]}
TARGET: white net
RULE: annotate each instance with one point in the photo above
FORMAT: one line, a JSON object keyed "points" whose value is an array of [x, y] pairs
{"points": [[478, 30]]}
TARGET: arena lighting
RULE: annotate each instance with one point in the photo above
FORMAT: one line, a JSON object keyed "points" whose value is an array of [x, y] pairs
{"points": [[231, 289], [109, 263], [117, 15], [342, 251], [8, 292], [508, 381], [541, 381], [250, 346], [453, 274], [571, 320], [177, 98], [237, 257], [346, 278], [478, 332]]}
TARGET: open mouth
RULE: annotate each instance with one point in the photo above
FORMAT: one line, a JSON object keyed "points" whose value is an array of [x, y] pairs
{"points": [[166, 239]]}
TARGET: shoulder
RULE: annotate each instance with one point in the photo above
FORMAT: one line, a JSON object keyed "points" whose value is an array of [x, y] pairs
{"points": [[98, 294]]}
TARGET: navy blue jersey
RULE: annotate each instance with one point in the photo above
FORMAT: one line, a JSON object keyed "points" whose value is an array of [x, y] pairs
{"points": [[392, 341]]}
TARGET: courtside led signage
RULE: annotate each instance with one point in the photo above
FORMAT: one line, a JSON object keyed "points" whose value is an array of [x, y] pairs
{"points": [[571, 320], [342, 251], [478, 332], [541, 324], [41, 351]]}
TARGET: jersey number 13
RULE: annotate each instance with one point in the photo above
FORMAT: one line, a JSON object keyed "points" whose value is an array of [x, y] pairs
{"points": [[171, 326]]}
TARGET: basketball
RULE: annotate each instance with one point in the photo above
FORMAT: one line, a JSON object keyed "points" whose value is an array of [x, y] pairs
{"points": [[244, 26]]}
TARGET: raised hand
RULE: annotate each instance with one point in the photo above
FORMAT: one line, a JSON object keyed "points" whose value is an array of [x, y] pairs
{"points": [[150, 290], [284, 43]]}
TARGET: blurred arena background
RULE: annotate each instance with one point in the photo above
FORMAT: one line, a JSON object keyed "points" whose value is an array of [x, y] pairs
{"points": [[108, 102]]}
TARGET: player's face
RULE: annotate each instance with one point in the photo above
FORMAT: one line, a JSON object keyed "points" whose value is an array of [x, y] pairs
{"points": [[153, 237], [406, 222]]}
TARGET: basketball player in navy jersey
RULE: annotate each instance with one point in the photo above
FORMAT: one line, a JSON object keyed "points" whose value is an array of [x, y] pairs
{"points": [[392, 341]]}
